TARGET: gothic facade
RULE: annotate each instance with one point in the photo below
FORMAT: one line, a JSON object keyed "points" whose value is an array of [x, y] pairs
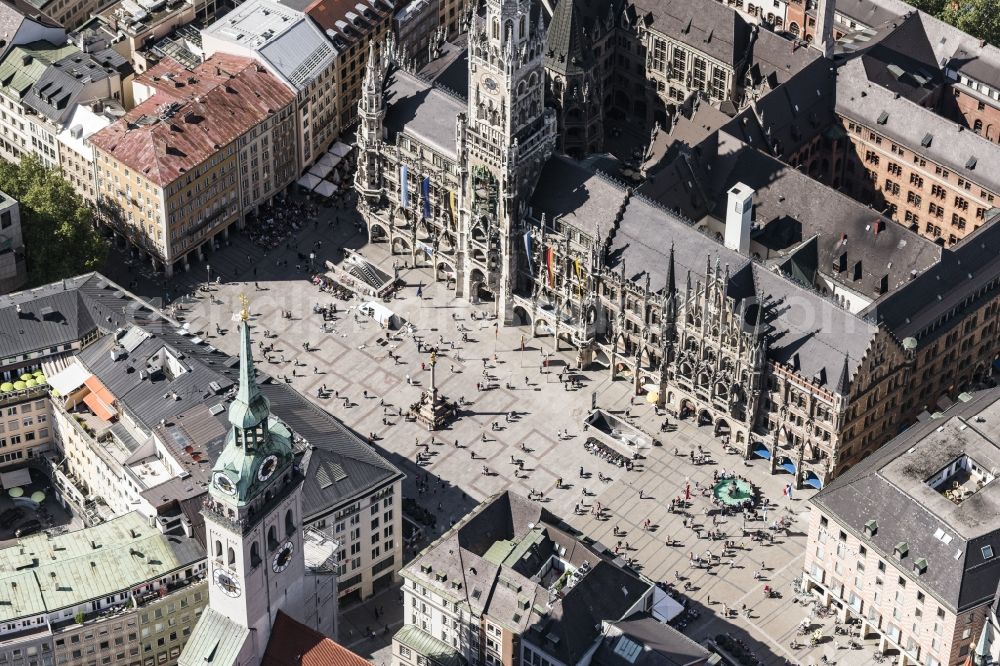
{"points": [[469, 185]]}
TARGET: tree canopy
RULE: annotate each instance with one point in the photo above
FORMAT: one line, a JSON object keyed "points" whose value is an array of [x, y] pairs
{"points": [[59, 235]]}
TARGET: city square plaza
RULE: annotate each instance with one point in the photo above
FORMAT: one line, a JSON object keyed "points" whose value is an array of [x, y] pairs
{"points": [[524, 432]]}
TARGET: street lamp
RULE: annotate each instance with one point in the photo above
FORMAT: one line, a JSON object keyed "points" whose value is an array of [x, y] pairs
{"points": [[312, 256], [208, 271]]}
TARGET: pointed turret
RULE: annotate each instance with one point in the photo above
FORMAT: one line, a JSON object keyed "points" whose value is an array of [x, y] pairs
{"points": [[844, 382], [257, 446], [250, 408]]}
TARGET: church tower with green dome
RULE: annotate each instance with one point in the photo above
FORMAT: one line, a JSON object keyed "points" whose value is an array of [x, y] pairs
{"points": [[253, 517]]}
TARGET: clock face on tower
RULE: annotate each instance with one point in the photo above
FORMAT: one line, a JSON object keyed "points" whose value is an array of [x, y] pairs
{"points": [[283, 557], [224, 483], [267, 467], [491, 85], [227, 582]]}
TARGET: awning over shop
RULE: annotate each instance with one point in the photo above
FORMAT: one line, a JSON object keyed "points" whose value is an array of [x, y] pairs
{"points": [[330, 160], [69, 378], [340, 149], [813, 480], [15, 478], [308, 181], [788, 466], [325, 188], [320, 170], [100, 400], [761, 451]]}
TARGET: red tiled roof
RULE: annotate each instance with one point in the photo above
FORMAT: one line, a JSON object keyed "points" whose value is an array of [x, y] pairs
{"points": [[294, 644], [192, 115]]}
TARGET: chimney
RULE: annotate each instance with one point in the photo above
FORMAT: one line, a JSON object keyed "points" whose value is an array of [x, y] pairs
{"points": [[738, 218], [824, 27]]}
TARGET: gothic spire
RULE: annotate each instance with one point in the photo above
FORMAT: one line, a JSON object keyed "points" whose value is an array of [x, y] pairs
{"points": [[250, 407], [671, 281], [844, 383]]}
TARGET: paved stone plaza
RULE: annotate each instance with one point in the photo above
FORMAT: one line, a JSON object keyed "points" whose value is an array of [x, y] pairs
{"points": [[353, 358]]}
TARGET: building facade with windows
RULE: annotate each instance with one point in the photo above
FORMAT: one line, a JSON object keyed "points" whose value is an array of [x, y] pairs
{"points": [[904, 542], [201, 150]]}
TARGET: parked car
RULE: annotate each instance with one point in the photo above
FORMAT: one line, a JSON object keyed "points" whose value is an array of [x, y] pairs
{"points": [[27, 528]]}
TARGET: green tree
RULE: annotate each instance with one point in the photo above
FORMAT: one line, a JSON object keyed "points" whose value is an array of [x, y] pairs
{"points": [[60, 238], [979, 18]]}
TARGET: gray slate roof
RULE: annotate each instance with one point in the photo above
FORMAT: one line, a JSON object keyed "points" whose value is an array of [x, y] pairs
{"points": [[890, 487], [91, 302], [705, 25], [920, 308], [418, 109], [577, 196], [569, 41], [661, 644], [466, 555], [807, 331], [338, 465], [908, 124]]}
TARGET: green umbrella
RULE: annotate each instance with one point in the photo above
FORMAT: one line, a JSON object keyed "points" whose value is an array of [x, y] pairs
{"points": [[26, 376], [6, 386], [55, 393], [38, 373], [30, 383], [37, 497], [19, 386], [16, 491], [41, 379]]}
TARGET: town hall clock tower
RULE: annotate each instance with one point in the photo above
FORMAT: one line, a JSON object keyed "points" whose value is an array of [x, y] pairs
{"points": [[506, 136]]}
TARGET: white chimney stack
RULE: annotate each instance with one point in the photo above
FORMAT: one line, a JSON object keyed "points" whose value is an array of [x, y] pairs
{"points": [[739, 214]]}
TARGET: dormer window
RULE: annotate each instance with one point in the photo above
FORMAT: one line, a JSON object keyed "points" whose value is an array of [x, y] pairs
{"points": [[901, 550]]}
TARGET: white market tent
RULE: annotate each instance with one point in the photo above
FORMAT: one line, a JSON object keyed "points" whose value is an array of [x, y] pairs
{"points": [[383, 315], [340, 149], [308, 181], [320, 170], [325, 188], [329, 159]]}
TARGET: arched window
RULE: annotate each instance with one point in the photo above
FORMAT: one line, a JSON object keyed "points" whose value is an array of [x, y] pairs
{"points": [[218, 548], [272, 538], [523, 28], [231, 560], [289, 523], [496, 28], [508, 31], [254, 554]]}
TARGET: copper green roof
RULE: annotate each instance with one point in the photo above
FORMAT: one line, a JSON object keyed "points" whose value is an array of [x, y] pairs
{"points": [[47, 573], [258, 447], [16, 78], [215, 641]]}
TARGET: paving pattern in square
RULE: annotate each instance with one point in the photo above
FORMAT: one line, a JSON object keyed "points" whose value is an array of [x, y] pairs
{"points": [[353, 358]]}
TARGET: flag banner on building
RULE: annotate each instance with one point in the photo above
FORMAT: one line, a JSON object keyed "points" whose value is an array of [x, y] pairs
{"points": [[527, 249], [425, 190], [404, 186], [550, 259], [453, 198], [579, 280]]}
